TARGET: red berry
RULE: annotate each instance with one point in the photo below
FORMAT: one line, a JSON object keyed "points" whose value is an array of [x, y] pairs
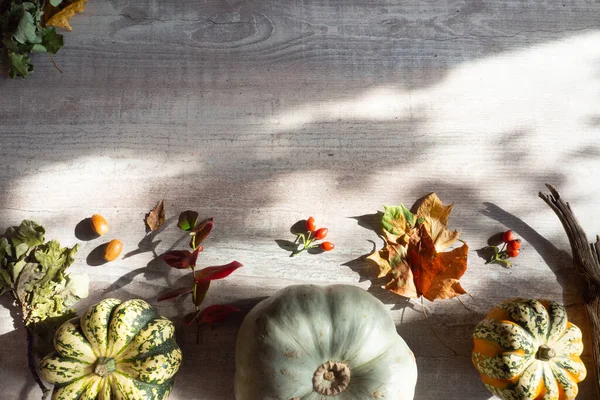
{"points": [[310, 224], [327, 246], [508, 236], [513, 245], [320, 233], [513, 253]]}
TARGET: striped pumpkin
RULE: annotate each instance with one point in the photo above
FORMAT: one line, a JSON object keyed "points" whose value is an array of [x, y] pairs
{"points": [[526, 349], [115, 351]]}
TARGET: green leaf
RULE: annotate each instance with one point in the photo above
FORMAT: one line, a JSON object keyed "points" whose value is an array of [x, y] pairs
{"points": [[38, 48], [187, 220], [36, 273], [27, 29], [17, 267], [19, 65], [397, 219], [29, 232], [4, 248]]}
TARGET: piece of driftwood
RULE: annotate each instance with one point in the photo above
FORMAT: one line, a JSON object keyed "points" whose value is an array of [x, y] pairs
{"points": [[586, 260]]}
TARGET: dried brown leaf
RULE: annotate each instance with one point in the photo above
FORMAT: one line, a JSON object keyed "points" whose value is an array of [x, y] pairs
{"points": [[435, 217], [62, 17], [156, 217]]}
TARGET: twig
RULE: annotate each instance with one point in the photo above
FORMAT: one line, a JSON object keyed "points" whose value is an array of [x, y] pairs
{"points": [[53, 63]]}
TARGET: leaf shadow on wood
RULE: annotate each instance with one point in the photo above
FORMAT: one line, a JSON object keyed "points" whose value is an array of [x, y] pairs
{"points": [[148, 244]]}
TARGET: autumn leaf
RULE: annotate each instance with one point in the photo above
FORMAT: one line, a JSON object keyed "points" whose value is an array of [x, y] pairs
{"points": [[218, 272], [434, 215], [436, 274], [397, 220], [412, 257], [181, 259], [156, 217], [201, 232], [61, 18]]}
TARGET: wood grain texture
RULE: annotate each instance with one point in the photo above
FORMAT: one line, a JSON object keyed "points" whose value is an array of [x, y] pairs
{"points": [[262, 113]]}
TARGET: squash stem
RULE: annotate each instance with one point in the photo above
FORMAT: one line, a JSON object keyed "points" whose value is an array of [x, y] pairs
{"points": [[545, 353]]}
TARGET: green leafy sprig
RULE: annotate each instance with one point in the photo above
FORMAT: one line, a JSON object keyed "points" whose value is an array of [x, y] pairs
{"points": [[22, 33], [34, 272]]}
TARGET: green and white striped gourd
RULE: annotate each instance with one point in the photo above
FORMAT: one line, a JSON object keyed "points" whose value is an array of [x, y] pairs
{"points": [[115, 351], [310, 342], [527, 349]]}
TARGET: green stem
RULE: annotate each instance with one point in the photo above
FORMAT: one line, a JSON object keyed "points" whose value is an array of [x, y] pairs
{"points": [[195, 286]]}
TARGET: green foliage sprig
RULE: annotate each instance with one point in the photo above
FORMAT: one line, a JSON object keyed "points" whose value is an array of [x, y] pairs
{"points": [[23, 34]]}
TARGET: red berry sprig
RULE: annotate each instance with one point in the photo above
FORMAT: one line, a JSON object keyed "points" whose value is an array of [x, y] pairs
{"points": [[313, 234], [510, 249]]}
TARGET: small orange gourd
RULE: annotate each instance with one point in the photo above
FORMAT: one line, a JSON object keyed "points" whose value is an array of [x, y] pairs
{"points": [[527, 349]]}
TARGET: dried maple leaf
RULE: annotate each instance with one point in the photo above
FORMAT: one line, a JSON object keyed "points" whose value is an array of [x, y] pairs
{"points": [[434, 215], [61, 18], [437, 274], [156, 217], [412, 257]]}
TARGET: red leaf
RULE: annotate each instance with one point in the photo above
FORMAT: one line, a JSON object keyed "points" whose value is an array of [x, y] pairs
{"points": [[181, 259], [175, 293], [216, 313], [201, 288], [218, 272], [202, 231]]}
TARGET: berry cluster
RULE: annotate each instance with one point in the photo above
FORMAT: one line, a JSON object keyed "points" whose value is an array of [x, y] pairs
{"points": [[511, 248], [313, 234]]}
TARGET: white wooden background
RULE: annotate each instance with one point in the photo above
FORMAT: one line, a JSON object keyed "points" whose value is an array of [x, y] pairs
{"points": [[261, 113]]}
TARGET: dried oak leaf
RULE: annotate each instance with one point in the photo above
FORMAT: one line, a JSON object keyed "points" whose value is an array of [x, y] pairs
{"points": [[436, 274], [62, 17], [434, 215], [156, 217]]}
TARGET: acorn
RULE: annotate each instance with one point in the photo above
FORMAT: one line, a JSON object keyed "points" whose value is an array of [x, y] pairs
{"points": [[113, 250], [99, 224]]}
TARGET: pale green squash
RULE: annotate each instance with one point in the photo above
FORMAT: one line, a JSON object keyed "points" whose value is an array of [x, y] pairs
{"points": [[527, 349], [115, 351], [310, 343]]}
